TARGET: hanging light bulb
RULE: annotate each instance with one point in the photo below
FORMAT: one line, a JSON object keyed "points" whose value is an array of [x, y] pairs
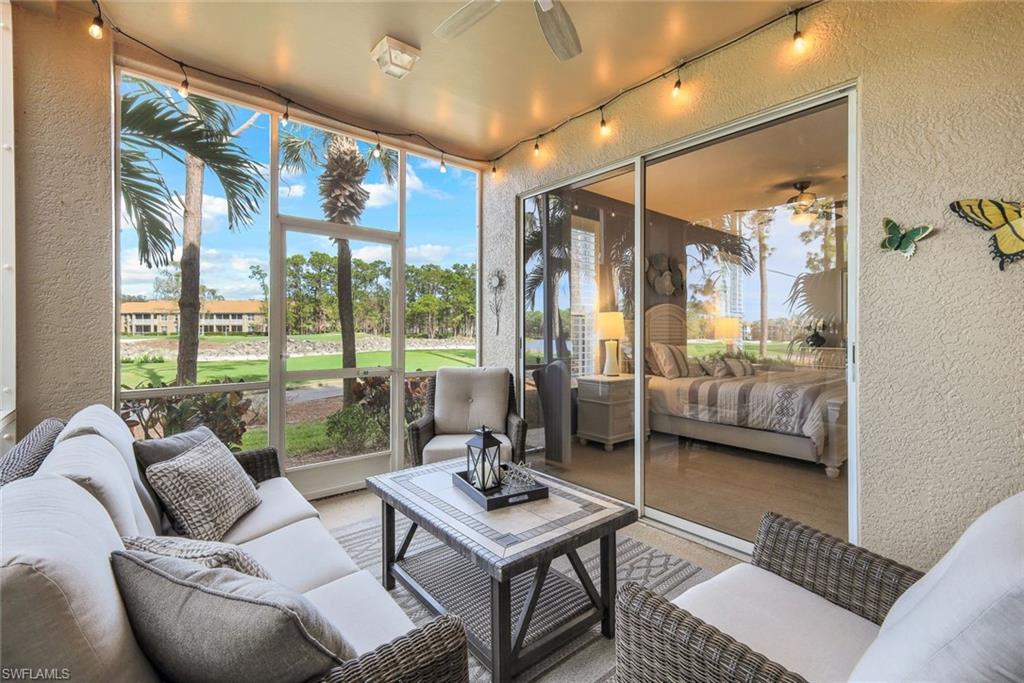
{"points": [[678, 85], [536, 148], [183, 88], [798, 37], [284, 117], [604, 124], [377, 151], [443, 169], [96, 27], [494, 169]]}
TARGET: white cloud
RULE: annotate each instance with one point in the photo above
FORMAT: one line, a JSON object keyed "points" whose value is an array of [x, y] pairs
{"points": [[427, 253], [214, 208], [375, 252], [381, 194], [292, 191]]}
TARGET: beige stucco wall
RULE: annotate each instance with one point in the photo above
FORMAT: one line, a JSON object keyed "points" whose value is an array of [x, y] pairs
{"points": [[941, 115], [63, 229]]}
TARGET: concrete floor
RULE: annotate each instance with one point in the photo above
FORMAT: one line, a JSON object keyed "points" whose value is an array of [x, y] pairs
{"points": [[357, 506]]}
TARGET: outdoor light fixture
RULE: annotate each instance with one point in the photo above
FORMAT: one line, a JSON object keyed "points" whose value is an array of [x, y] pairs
{"points": [[678, 85], [183, 88], [494, 169], [536, 148], [798, 37], [96, 27], [377, 151], [394, 57], [604, 124], [483, 460], [284, 117], [443, 169]]}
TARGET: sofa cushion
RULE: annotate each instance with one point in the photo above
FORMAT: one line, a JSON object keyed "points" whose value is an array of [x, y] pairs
{"points": [[448, 446], [92, 463], [209, 554], [467, 398], [204, 490], [200, 624], [962, 621], [347, 601], [280, 505], [102, 421], [59, 603], [792, 626], [301, 556], [28, 454]]}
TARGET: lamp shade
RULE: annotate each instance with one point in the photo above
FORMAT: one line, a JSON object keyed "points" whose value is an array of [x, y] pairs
{"points": [[727, 328], [611, 325]]}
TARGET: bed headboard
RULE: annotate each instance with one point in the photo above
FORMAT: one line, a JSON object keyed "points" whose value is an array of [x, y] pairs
{"points": [[665, 324]]}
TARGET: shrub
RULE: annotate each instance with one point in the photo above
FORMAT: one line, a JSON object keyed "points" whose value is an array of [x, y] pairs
{"points": [[352, 431], [224, 413]]}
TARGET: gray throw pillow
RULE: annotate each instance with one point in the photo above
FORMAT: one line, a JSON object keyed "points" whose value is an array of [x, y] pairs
{"points": [[204, 490], [152, 451], [28, 454], [217, 625], [210, 554]]}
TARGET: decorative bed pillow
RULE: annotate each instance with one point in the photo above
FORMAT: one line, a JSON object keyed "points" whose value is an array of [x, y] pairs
{"points": [[25, 458], [695, 368], [204, 490], [748, 367], [210, 554], [664, 360], [152, 451], [735, 367], [714, 367], [190, 620], [679, 356]]}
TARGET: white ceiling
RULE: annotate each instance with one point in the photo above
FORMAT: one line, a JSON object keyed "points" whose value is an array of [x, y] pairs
{"points": [[496, 83], [753, 171]]}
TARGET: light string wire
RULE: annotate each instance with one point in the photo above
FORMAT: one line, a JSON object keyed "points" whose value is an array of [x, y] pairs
{"points": [[535, 137]]}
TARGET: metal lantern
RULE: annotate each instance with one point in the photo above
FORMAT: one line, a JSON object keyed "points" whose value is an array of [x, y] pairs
{"points": [[483, 460]]}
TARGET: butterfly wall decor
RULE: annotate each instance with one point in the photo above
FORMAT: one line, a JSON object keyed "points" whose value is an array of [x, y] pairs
{"points": [[1003, 219], [903, 241]]}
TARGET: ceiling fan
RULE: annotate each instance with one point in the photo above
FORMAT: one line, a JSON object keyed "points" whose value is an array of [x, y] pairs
{"points": [[554, 20]]}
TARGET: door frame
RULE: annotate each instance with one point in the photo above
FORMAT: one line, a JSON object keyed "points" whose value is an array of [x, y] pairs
{"points": [[847, 91]]}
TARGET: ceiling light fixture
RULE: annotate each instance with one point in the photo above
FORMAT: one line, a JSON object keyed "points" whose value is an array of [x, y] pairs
{"points": [[604, 124], [798, 37], [678, 85], [536, 148], [803, 200], [395, 58], [96, 27]]}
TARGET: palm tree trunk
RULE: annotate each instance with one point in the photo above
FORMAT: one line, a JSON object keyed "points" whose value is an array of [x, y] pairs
{"points": [[346, 316], [188, 301], [762, 260]]}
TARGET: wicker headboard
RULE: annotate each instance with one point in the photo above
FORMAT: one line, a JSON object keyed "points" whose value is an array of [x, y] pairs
{"points": [[665, 324]]}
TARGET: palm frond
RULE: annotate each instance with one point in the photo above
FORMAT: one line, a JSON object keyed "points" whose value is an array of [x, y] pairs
{"points": [[147, 201], [387, 162], [816, 295]]}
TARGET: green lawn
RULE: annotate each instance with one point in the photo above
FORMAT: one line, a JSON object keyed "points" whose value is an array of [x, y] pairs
{"points": [[134, 374], [301, 438]]}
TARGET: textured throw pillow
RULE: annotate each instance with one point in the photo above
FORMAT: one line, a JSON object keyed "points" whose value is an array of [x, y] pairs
{"points": [[714, 367], [748, 367], [152, 451], [204, 490], [664, 360], [210, 554], [735, 367], [199, 624], [25, 458], [695, 368]]}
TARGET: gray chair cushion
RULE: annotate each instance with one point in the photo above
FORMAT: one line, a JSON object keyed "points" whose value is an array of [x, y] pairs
{"points": [[448, 446], [25, 458], [59, 603], [466, 399], [204, 490], [217, 625], [209, 554]]}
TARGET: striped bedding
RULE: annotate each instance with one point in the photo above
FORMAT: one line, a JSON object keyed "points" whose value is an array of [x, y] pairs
{"points": [[785, 402]]}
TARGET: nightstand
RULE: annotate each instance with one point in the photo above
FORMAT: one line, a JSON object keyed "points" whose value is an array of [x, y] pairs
{"points": [[606, 409]]}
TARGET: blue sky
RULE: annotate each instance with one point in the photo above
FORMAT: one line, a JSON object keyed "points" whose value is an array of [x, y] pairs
{"points": [[440, 218]]}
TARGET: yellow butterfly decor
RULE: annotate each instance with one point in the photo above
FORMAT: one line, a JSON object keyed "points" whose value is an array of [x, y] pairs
{"points": [[1003, 219]]}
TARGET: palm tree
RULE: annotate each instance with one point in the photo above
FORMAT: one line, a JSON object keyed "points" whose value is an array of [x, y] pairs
{"points": [[343, 200], [198, 135], [761, 220]]}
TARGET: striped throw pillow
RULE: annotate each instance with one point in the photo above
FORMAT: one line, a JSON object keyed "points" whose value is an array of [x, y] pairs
{"points": [[679, 356], [665, 360], [210, 554]]}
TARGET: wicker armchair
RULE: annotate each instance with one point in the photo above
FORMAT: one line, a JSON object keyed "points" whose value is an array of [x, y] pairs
{"points": [[422, 430], [659, 641], [260, 463]]}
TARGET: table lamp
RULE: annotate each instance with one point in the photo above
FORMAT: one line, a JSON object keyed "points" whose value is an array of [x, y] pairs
{"points": [[611, 327], [729, 330]]}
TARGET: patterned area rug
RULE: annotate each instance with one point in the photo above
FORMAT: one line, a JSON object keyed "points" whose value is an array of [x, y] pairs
{"points": [[590, 657]]}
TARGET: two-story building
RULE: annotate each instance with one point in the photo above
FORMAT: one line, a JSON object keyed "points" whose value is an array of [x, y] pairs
{"points": [[238, 316]]}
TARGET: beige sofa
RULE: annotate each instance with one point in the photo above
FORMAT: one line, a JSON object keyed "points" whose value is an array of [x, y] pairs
{"points": [[60, 605]]}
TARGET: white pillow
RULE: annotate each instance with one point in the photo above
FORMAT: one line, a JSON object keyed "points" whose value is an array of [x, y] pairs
{"points": [[665, 360]]}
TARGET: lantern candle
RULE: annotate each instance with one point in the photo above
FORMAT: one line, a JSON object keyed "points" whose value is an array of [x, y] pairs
{"points": [[483, 460]]}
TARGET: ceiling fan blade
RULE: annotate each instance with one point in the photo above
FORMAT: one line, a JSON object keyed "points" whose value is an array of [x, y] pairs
{"points": [[558, 30], [464, 18]]}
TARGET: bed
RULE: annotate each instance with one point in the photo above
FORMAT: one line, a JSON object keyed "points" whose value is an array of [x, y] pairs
{"points": [[797, 413]]}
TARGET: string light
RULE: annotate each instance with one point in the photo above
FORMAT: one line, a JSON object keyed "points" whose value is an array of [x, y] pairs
{"points": [[377, 151], [284, 117], [183, 88], [798, 37], [96, 27], [678, 84], [604, 124], [536, 148], [494, 169], [443, 169]]}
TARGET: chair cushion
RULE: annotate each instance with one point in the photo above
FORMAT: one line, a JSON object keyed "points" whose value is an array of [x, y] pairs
{"points": [[347, 601], [467, 398], [92, 463], [792, 626], [102, 421], [204, 490], [281, 504], [301, 556], [59, 603], [28, 454], [209, 554], [448, 446], [962, 621], [200, 624]]}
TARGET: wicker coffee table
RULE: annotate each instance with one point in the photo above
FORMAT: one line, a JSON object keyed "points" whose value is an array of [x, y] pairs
{"points": [[493, 569]]}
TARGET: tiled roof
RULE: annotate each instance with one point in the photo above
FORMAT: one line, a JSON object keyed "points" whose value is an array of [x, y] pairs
{"points": [[164, 306]]}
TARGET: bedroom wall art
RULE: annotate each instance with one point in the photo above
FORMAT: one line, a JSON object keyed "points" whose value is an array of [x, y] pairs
{"points": [[664, 274], [1003, 219], [903, 241]]}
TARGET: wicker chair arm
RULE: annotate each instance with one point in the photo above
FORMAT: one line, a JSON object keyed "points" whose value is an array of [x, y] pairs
{"points": [[515, 429], [260, 464], [434, 652], [847, 575], [420, 433], [657, 641]]}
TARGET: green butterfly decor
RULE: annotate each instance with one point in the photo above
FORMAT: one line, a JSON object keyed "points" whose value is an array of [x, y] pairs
{"points": [[903, 241]]}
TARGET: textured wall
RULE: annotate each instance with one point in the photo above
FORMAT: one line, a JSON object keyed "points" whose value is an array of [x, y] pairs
{"points": [[941, 114], [62, 127]]}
